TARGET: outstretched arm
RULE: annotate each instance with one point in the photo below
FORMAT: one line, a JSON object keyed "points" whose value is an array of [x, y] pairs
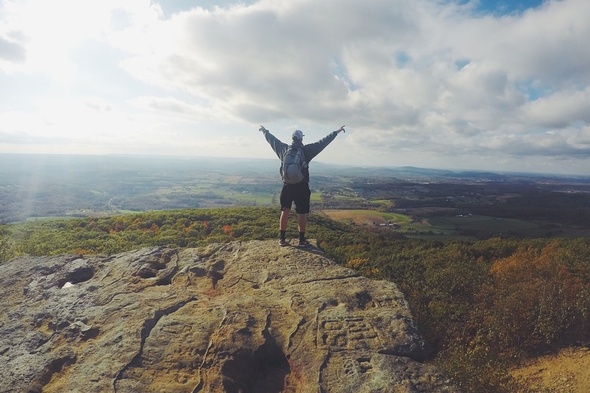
{"points": [[313, 149], [277, 146]]}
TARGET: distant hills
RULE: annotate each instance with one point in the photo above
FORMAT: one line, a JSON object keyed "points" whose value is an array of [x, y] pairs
{"points": [[79, 167]]}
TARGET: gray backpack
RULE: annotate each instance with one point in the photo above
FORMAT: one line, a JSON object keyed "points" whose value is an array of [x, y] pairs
{"points": [[293, 165]]}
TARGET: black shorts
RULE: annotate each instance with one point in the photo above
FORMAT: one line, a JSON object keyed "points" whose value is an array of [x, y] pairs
{"points": [[298, 193]]}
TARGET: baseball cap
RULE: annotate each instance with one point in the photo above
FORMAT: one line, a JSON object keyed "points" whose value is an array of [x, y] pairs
{"points": [[298, 134]]}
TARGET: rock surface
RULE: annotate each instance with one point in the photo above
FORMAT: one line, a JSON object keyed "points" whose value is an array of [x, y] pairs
{"points": [[238, 317]]}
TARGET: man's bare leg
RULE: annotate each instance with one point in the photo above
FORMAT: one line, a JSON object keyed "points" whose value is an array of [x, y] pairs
{"points": [[284, 221], [302, 222]]}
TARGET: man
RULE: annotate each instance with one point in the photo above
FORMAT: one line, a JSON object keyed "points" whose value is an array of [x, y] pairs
{"points": [[298, 192]]}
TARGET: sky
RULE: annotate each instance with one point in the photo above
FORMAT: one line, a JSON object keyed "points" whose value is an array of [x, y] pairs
{"points": [[498, 85]]}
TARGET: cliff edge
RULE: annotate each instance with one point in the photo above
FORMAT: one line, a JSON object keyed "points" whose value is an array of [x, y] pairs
{"points": [[237, 317]]}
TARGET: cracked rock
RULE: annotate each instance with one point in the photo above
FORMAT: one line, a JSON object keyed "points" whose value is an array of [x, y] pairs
{"points": [[250, 317]]}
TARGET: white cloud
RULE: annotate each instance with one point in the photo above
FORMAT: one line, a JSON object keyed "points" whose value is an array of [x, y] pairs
{"points": [[417, 82], [562, 109]]}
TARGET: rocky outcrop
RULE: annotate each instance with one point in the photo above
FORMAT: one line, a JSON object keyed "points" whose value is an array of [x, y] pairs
{"points": [[238, 317]]}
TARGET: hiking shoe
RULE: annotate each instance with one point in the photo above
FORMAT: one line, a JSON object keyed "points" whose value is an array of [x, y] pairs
{"points": [[283, 243], [303, 243]]}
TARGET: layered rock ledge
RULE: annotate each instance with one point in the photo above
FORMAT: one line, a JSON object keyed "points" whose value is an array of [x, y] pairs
{"points": [[237, 317]]}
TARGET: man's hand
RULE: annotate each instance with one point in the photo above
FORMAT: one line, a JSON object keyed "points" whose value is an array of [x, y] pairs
{"points": [[341, 129], [262, 129]]}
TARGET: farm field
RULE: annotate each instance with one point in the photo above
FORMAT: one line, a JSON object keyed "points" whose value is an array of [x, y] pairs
{"points": [[367, 217], [400, 223]]}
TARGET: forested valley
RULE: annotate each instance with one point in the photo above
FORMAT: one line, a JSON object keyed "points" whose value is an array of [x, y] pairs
{"points": [[482, 305]]}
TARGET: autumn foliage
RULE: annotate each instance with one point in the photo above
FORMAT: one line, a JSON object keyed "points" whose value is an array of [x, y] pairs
{"points": [[537, 297]]}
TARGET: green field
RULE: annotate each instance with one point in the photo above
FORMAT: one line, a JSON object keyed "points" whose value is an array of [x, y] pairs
{"points": [[367, 217], [316, 197], [484, 224], [255, 198]]}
